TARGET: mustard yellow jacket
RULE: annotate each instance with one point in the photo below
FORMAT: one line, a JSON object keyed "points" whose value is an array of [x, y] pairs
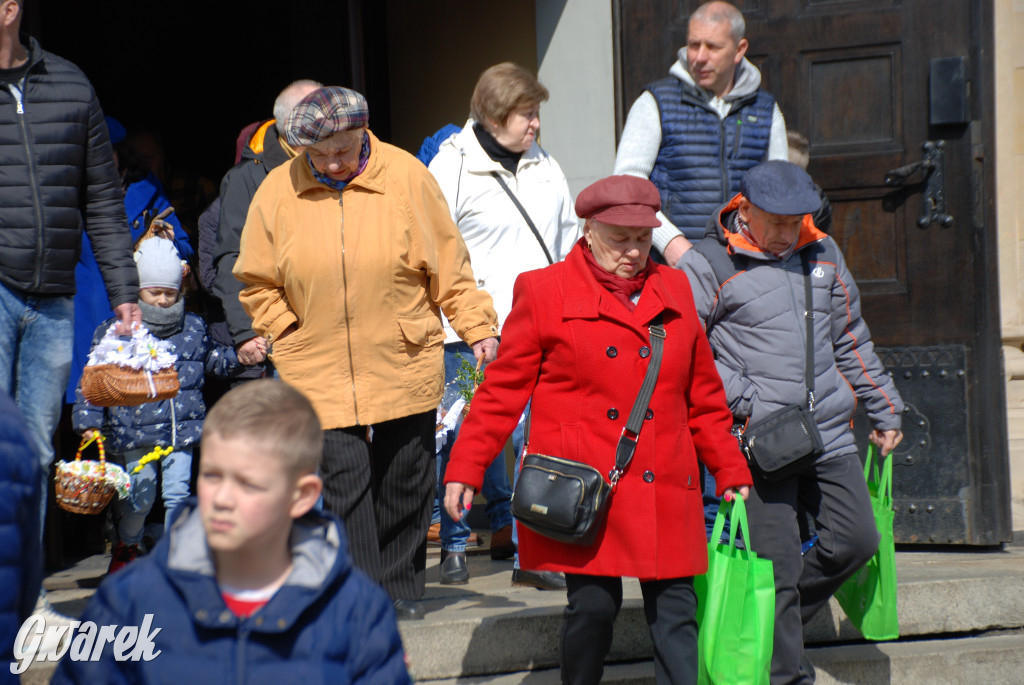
{"points": [[364, 275]]}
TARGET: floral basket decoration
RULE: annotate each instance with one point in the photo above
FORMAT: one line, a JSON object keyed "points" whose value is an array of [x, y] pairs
{"points": [[124, 372], [87, 486]]}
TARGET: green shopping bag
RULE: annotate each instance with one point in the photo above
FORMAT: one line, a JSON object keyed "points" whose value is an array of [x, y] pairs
{"points": [[869, 596], [735, 607]]}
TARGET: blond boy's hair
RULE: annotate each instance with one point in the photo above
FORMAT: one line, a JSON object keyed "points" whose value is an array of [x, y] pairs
{"points": [[273, 414]]}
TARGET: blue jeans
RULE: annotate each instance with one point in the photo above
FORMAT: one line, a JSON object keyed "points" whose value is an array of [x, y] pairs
{"points": [[496, 488], [36, 337], [175, 471]]}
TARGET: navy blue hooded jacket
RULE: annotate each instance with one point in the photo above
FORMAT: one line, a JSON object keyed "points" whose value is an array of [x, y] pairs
{"points": [[328, 624], [21, 560]]}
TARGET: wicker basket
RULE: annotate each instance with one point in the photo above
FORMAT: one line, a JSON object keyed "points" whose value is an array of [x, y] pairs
{"points": [[110, 385], [86, 487]]}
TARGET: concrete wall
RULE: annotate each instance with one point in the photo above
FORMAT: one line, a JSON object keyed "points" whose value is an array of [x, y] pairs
{"points": [[1009, 99], [575, 60], [436, 52]]}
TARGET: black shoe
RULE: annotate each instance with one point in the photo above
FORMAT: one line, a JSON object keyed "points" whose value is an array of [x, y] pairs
{"points": [[407, 610], [454, 570], [542, 580]]}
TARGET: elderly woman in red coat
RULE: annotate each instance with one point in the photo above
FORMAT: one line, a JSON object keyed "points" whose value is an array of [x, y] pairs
{"points": [[577, 342]]}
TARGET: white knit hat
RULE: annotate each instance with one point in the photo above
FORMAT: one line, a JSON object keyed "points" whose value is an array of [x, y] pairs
{"points": [[159, 264]]}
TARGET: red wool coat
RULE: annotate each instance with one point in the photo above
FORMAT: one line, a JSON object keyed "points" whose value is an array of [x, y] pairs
{"points": [[582, 356]]}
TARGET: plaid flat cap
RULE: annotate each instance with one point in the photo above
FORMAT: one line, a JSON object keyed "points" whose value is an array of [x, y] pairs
{"points": [[323, 113]]}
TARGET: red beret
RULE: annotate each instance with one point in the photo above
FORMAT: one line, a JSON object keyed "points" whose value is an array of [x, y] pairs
{"points": [[621, 201]]}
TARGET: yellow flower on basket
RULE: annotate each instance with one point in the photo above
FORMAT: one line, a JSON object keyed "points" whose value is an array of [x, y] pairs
{"points": [[155, 455]]}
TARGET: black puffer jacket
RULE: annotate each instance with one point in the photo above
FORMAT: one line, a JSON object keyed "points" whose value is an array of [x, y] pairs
{"points": [[57, 175], [263, 154]]}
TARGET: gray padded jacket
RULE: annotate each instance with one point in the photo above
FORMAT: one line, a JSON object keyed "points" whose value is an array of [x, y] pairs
{"points": [[753, 314], [57, 175]]}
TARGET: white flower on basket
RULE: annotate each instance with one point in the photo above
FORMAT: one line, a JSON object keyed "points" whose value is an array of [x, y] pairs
{"points": [[142, 351]]}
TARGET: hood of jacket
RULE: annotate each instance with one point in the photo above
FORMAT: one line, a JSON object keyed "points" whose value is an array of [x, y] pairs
{"points": [[264, 147], [720, 228], [320, 559], [746, 81]]}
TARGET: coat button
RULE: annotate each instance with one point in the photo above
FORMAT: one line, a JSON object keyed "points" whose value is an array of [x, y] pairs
{"points": [[611, 351], [645, 352], [613, 413], [225, 616], [649, 415], [648, 476]]}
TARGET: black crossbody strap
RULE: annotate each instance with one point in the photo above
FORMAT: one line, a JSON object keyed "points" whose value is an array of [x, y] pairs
{"points": [[809, 319], [522, 210], [631, 433]]}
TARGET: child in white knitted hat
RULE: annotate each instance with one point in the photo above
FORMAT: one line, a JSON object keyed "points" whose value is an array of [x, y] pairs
{"points": [[133, 432]]}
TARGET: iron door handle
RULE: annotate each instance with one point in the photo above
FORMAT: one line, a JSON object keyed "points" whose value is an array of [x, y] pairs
{"points": [[935, 183]]}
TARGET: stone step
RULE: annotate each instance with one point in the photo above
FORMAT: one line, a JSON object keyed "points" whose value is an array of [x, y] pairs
{"points": [[487, 627], [988, 659]]}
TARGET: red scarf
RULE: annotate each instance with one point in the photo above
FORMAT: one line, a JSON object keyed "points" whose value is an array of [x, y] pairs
{"points": [[621, 288]]}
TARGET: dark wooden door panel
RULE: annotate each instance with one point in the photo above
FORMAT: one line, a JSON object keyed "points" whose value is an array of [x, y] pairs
{"points": [[853, 76]]}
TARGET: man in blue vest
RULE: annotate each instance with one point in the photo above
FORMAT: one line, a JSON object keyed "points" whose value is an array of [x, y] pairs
{"points": [[696, 132]]}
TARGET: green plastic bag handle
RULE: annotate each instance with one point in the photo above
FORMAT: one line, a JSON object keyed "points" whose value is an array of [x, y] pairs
{"points": [[882, 477], [736, 512]]}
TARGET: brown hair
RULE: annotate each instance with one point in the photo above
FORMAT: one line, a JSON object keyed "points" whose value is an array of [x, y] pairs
{"points": [[274, 414], [503, 88]]}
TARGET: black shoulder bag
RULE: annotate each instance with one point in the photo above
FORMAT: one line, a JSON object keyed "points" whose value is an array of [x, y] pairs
{"points": [[567, 500], [522, 210], [784, 441]]}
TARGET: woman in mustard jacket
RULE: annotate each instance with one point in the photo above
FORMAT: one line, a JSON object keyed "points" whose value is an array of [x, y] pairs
{"points": [[577, 342], [348, 256]]}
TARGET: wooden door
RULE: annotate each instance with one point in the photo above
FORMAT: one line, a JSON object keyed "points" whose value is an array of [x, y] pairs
{"points": [[854, 77]]}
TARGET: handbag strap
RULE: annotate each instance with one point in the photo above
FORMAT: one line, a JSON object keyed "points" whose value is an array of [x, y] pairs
{"points": [[631, 433], [522, 210], [809, 321]]}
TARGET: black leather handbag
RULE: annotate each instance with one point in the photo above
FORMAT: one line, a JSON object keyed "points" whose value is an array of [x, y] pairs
{"points": [[785, 440], [567, 500]]}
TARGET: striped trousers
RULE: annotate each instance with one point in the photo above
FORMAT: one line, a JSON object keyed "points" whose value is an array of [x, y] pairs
{"points": [[383, 490]]}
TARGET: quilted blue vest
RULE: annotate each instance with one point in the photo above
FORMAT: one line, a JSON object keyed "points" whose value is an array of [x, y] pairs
{"points": [[702, 157]]}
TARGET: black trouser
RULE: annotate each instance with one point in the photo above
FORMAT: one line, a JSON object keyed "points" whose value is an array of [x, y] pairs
{"points": [[383, 490], [833, 492], [670, 607]]}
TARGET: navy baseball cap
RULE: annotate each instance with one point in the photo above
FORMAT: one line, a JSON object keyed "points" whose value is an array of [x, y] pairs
{"points": [[780, 187]]}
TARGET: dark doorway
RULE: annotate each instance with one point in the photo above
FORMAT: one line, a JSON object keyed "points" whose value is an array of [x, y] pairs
{"points": [[195, 76], [870, 82]]}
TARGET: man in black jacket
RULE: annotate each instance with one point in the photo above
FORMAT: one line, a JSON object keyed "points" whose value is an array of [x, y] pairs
{"points": [[57, 176], [266, 151]]}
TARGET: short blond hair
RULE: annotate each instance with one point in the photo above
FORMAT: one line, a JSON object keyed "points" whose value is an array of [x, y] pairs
{"points": [[502, 89], [273, 414]]}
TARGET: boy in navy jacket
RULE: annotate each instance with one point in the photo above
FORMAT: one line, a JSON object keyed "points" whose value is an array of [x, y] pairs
{"points": [[249, 585]]}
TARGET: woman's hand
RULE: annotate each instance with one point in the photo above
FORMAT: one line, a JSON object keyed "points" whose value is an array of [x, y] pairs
{"points": [[486, 348], [458, 497], [90, 433], [886, 440], [743, 491], [252, 351]]}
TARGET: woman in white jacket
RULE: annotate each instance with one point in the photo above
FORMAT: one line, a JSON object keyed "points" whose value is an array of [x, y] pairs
{"points": [[484, 170]]}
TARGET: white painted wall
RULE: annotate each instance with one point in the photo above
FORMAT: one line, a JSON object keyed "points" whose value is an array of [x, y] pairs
{"points": [[574, 54]]}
